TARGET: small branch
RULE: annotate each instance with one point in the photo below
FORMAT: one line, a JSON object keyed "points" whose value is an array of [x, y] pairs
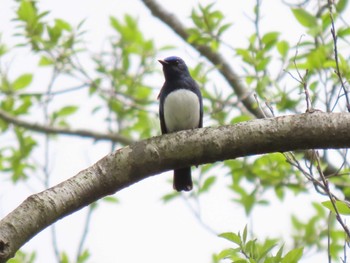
{"points": [[198, 216], [292, 160], [329, 237], [257, 101], [344, 260], [63, 131], [54, 242], [268, 105], [322, 187], [306, 91], [85, 232], [331, 196], [257, 22], [337, 70], [302, 80]]}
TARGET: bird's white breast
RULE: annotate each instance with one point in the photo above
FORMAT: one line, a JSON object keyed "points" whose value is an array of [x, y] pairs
{"points": [[181, 110]]}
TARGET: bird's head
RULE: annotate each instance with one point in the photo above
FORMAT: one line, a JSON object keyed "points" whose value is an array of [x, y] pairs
{"points": [[174, 67]]}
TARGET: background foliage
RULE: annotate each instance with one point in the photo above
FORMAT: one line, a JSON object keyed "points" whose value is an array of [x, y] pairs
{"points": [[117, 87]]}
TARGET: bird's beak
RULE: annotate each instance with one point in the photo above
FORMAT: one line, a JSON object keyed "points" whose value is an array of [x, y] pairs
{"points": [[163, 62]]}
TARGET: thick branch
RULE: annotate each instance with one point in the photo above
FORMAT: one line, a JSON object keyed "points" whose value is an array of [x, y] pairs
{"points": [[140, 160], [223, 66], [64, 131]]}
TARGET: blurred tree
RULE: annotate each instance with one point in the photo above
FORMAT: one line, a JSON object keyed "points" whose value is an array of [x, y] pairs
{"points": [[275, 77]]}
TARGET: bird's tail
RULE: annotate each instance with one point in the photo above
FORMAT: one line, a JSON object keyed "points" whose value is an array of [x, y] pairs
{"points": [[183, 179]]}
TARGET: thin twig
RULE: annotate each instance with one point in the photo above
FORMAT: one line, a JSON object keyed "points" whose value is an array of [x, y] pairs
{"points": [[302, 80], [85, 232], [46, 129], [198, 216], [306, 91], [344, 249], [40, 94], [331, 196], [55, 243], [46, 165], [337, 70], [268, 105], [329, 237], [257, 101]]}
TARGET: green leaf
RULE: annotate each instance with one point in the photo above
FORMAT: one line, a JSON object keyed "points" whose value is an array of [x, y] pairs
{"points": [[269, 39], [245, 233], [197, 20], [63, 25], [266, 248], [111, 199], [66, 111], [240, 118], [343, 32], [245, 54], [250, 246], [227, 253], [246, 199], [45, 61], [26, 11], [283, 48], [214, 45], [319, 209], [279, 254], [3, 49], [115, 23], [341, 5], [8, 104], [232, 237], [262, 64], [22, 257], [22, 81], [223, 28], [341, 206], [54, 34], [64, 258], [25, 104], [83, 257], [207, 184], [317, 57], [293, 255], [304, 18], [326, 21], [169, 197]]}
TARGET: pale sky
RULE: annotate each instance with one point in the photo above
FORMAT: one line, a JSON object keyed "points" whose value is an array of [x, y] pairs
{"points": [[141, 228]]}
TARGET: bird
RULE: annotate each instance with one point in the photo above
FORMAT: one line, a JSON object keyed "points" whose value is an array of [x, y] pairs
{"points": [[180, 108]]}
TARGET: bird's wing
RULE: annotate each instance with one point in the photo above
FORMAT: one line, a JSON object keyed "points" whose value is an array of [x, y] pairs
{"points": [[199, 94], [161, 112]]}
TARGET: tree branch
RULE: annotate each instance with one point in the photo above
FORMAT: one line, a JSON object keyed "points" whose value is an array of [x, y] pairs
{"points": [[64, 131], [223, 66], [335, 48], [140, 160]]}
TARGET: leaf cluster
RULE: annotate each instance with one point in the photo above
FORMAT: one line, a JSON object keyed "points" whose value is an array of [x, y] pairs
{"points": [[252, 251]]}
